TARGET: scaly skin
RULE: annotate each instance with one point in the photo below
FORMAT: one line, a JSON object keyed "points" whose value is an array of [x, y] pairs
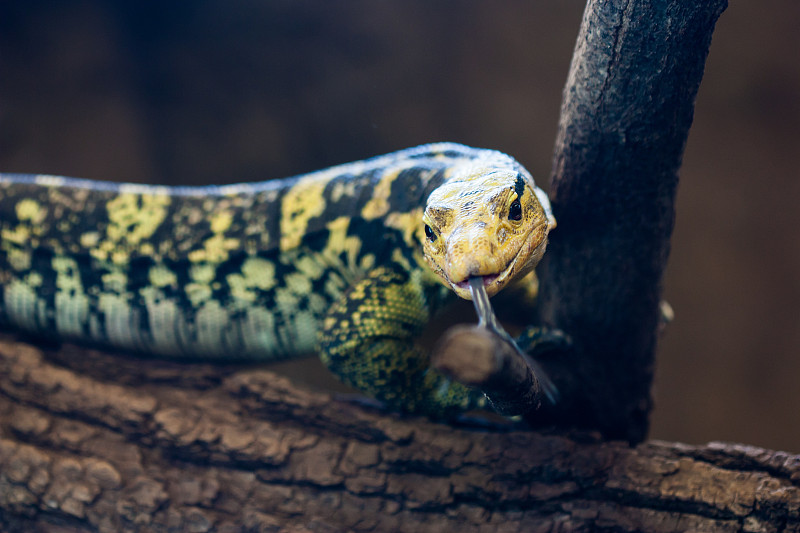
{"points": [[272, 270], [486, 221]]}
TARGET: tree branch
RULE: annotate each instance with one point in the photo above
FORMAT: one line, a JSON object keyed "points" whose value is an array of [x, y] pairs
{"points": [[477, 357], [627, 109], [201, 448]]}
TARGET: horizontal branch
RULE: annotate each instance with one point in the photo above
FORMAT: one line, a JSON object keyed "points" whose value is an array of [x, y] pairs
{"points": [[201, 447]]}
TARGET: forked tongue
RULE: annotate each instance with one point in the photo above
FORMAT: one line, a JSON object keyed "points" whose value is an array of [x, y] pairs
{"points": [[487, 319]]}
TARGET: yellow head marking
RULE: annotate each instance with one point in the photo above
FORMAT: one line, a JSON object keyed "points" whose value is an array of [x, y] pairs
{"points": [[485, 221]]}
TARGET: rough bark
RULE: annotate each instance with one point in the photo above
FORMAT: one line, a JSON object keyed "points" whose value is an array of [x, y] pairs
{"points": [[627, 108], [111, 444]]}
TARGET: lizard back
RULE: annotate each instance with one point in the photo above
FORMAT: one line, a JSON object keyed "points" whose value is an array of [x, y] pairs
{"points": [[237, 272]]}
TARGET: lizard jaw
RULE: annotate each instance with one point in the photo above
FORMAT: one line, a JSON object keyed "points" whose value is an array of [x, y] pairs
{"points": [[494, 283]]}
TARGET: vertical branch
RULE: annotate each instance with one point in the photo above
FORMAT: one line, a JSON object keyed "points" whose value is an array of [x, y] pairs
{"points": [[627, 108]]}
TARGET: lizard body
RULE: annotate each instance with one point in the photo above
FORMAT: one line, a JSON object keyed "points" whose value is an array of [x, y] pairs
{"points": [[349, 259]]}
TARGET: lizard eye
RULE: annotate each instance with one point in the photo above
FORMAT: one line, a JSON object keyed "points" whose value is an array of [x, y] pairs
{"points": [[429, 233], [515, 211]]}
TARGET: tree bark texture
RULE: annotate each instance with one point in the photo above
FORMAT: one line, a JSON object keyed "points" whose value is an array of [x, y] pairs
{"points": [[627, 108], [173, 447]]}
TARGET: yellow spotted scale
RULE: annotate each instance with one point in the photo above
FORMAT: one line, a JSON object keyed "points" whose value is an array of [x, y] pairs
{"points": [[347, 260]]}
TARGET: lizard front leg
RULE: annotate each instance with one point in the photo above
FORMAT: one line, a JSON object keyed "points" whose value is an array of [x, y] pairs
{"points": [[368, 340]]}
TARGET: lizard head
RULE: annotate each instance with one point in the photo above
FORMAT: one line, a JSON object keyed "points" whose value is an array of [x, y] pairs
{"points": [[488, 222]]}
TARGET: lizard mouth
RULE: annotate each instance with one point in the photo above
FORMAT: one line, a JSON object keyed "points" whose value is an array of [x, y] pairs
{"points": [[487, 282], [494, 283]]}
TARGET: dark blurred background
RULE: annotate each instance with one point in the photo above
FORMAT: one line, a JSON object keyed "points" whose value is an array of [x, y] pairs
{"points": [[213, 91]]}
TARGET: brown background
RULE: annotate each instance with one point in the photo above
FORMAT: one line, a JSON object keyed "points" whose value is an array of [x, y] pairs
{"points": [[214, 91]]}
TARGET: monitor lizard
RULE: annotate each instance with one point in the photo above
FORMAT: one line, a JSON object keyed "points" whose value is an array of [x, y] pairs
{"points": [[350, 261]]}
